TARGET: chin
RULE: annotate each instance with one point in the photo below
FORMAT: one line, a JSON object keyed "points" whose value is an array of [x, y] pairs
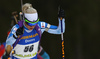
{"points": [[30, 28]]}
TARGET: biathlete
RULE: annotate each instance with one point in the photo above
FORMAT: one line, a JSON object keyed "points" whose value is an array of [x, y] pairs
{"points": [[23, 40]]}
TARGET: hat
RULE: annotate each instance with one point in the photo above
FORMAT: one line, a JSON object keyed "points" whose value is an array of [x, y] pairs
{"points": [[30, 14], [31, 19]]}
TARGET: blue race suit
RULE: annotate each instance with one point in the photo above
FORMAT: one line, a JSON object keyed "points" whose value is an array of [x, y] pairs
{"points": [[27, 47]]}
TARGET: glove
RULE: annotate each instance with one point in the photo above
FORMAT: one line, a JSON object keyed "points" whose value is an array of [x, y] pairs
{"points": [[6, 56], [19, 31], [61, 13]]}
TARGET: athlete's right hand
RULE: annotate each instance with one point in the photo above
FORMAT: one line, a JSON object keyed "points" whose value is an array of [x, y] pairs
{"points": [[19, 31]]}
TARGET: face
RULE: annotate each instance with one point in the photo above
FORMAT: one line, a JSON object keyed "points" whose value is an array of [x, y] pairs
{"points": [[30, 27]]}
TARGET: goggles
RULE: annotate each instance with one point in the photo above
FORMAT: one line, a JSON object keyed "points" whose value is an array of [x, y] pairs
{"points": [[31, 23]]}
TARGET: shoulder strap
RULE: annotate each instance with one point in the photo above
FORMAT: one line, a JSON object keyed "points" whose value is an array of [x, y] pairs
{"points": [[38, 30], [20, 23]]}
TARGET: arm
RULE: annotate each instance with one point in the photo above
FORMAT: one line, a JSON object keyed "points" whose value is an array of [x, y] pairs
{"points": [[11, 39], [58, 30], [51, 28], [54, 29]]}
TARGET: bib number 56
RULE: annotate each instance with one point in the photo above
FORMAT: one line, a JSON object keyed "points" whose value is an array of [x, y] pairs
{"points": [[29, 48]]}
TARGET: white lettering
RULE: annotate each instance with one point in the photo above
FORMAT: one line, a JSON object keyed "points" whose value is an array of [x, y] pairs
{"points": [[29, 40]]}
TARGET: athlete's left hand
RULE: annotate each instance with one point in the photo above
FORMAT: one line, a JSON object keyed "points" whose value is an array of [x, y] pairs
{"points": [[61, 13]]}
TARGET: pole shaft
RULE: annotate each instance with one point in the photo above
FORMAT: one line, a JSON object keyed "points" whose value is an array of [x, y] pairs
{"points": [[15, 19], [21, 5], [63, 54]]}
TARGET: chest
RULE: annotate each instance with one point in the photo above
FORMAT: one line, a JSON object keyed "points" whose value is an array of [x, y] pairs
{"points": [[29, 37]]}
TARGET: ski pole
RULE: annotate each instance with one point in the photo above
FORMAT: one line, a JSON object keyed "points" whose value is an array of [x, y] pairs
{"points": [[21, 13], [15, 19], [15, 16], [60, 16], [21, 5]]}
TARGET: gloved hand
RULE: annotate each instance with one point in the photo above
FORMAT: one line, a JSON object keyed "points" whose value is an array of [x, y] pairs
{"points": [[61, 13], [6, 55], [19, 31]]}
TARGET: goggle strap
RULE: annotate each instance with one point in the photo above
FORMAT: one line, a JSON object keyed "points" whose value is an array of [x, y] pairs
{"points": [[31, 22]]}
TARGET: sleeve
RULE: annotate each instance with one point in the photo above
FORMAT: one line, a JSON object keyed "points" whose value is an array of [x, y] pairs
{"points": [[52, 28], [10, 39]]}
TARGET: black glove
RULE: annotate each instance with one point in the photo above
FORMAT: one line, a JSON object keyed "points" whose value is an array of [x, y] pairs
{"points": [[19, 31], [5, 56], [61, 13]]}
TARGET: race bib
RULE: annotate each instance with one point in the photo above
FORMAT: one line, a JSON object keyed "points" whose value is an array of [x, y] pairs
{"points": [[26, 51]]}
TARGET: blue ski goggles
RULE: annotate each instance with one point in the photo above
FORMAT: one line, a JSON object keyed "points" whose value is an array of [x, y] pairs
{"points": [[31, 23]]}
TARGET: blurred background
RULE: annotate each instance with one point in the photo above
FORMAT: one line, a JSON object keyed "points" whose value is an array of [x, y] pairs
{"points": [[82, 26]]}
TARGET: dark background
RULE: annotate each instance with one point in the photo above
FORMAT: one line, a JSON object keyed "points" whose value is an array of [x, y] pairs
{"points": [[82, 26]]}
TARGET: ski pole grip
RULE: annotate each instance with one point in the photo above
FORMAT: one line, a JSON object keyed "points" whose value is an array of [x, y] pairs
{"points": [[61, 18]]}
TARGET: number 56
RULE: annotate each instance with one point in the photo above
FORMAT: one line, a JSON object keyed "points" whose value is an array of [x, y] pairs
{"points": [[29, 48]]}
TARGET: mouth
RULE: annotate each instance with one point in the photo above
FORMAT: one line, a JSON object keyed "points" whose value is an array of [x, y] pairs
{"points": [[31, 28]]}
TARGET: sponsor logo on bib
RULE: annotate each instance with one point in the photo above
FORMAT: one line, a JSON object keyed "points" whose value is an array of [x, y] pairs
{"points": [[26, 41]]}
